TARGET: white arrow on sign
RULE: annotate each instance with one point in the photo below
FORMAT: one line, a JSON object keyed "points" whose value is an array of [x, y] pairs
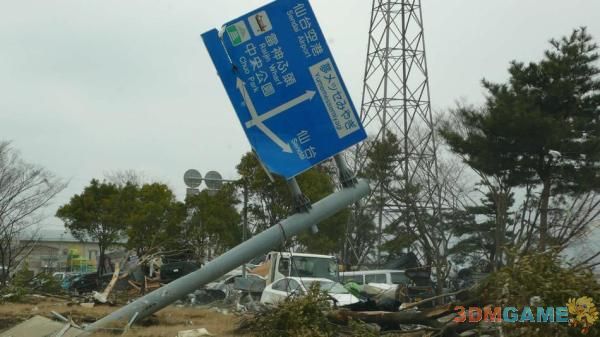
{"points": [[242, 88], [307, 96], [258, 121], [283, 145]]}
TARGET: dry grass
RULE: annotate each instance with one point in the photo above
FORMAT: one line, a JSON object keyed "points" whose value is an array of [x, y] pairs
{"points": [[166, 322]]}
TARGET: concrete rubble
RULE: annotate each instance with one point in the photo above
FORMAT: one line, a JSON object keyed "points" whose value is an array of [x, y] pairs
{"points": [[39, 326]]}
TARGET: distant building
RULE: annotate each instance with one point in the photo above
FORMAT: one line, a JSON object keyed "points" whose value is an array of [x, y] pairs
{"points": [[57, 250]]}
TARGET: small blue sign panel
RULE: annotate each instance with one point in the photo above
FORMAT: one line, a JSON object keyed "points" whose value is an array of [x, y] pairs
{"points": [[285, 86]]}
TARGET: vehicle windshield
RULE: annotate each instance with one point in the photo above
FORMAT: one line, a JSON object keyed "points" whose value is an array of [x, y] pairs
{"points": [[330, 287], [334, 288], [318, 267]]}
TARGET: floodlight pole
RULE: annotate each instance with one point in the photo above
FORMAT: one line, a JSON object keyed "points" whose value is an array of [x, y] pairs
{"points": [[259, 244], [244, 183], [245, 210], [245, 213]]}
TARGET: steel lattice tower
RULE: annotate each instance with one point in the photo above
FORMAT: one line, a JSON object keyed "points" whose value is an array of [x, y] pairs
{"points": [[396, 99]]}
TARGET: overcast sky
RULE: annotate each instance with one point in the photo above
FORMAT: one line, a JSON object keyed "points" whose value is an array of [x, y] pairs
{"points": [[88, 87]]}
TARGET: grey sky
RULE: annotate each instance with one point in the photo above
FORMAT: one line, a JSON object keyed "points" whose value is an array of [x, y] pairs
{"points": [[89, 87]]}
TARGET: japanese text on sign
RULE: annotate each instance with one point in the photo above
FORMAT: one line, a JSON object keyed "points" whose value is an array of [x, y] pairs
{"points": [[302, 24], [335, 99], [264, 61]]}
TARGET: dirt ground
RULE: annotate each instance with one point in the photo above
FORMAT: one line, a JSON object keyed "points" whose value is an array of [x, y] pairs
{"points": [[165, 323]]}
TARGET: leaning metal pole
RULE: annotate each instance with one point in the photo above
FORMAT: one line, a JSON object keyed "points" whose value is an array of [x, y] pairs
{"points": [[259, 244]]}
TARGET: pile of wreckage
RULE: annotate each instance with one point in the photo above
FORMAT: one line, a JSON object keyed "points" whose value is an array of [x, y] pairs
{"points": [[398, 298], [388, 309]]}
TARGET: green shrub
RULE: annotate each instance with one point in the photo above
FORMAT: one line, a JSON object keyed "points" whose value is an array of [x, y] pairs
{"points": [[46, 283], [24, 283], [296, 316], [542, 275], [23, 276], [12, 293], [302, 316]]}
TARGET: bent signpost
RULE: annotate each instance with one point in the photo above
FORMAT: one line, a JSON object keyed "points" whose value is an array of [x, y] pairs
{"points": [[285, 86]]}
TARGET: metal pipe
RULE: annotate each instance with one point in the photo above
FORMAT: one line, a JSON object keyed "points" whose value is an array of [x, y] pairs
{"points": [[259, 244]]}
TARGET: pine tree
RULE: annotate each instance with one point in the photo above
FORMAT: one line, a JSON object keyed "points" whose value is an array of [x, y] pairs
{"points": [[541, 127]]}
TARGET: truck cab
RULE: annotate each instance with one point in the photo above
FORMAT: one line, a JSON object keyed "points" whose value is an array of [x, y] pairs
{"points": [[283, 264]]}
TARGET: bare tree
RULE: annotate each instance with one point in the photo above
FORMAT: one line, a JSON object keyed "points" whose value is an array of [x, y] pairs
{"points": [[570, 219], [433, 228], [124, 177], [422, 209], [25, 190]]}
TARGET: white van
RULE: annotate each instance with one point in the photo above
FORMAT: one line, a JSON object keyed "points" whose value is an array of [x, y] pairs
{"points": [[385, 276]]}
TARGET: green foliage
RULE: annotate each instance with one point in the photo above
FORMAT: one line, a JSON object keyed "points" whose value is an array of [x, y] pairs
{"points": [[383, 157], [215, 221], [303, 316], [23, 276], [24, 282], [540, 128], [46, 283], [545, 276], [360, 329], [296, 316], [152, 221], [316, 184], [271, 202], [12, 293], [105, 212], [552, 105], [99, 214], [476, 228]]}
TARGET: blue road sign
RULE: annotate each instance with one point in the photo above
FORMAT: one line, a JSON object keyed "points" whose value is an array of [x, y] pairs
{"points": [[285, 86]]}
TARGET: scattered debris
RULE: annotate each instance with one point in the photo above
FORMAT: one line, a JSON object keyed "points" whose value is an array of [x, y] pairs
{"points": [[103, 297], [194, 333], [221, 311], [59, 316], [205, 296], [262, 269], [8, 296]]}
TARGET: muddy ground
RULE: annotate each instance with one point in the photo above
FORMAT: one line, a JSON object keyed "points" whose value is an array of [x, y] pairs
{"points": [[165, 323]]}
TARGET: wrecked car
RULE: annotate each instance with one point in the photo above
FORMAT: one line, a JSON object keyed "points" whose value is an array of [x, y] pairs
{"points": [[227, 282], [174, 270], [297, 286], [83, 283]]}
